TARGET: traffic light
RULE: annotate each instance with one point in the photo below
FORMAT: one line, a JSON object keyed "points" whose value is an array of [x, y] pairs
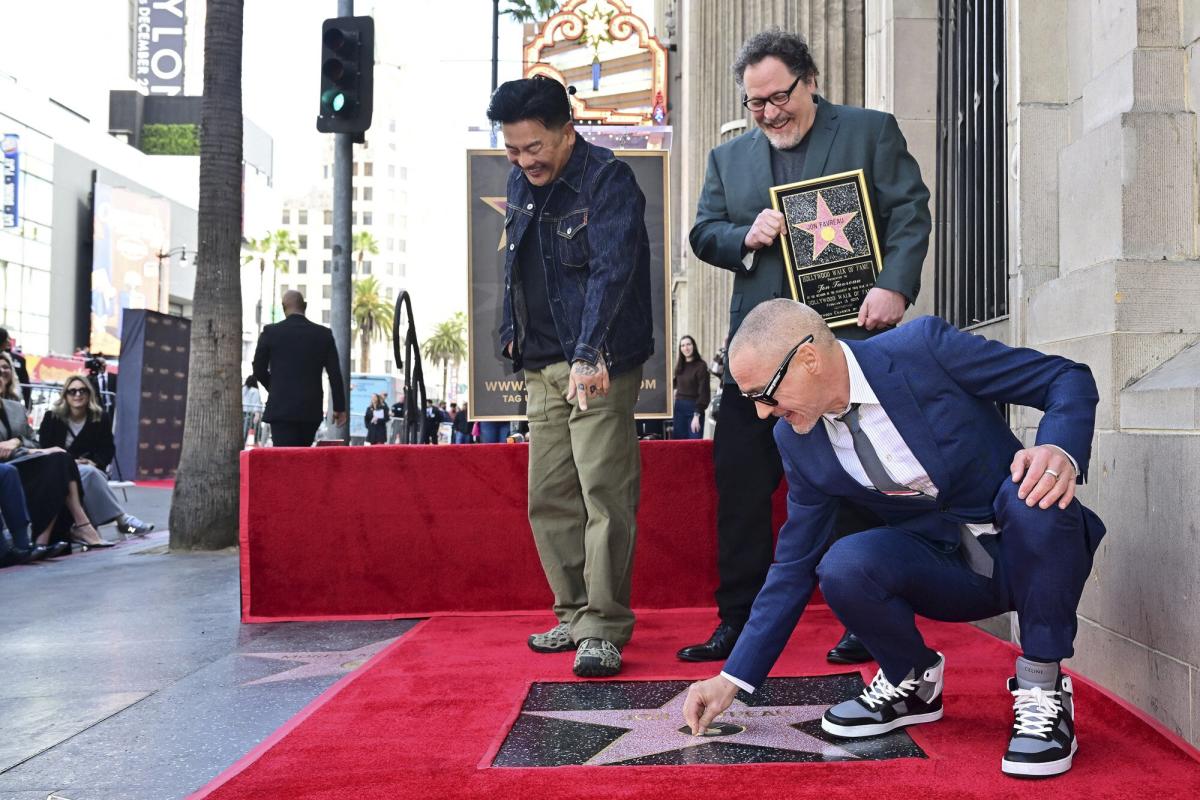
{"points": [[347, 74]]}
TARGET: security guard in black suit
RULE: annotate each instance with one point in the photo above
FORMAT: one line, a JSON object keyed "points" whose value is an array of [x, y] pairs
{"points": [[288, 363]]}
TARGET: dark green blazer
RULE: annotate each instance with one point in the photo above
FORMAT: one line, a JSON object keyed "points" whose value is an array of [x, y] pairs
{"points": [[737, 187]]}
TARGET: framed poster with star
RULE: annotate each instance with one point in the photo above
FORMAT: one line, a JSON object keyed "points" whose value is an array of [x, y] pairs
{"points": [[495, 393], [829, 243]]}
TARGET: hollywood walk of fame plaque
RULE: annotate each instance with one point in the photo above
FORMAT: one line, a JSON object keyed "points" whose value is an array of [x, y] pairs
{"points": [[829, 243], [640, 723]]}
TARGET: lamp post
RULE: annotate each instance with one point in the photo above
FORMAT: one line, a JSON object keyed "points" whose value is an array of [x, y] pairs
{"points": [[164, 293]]}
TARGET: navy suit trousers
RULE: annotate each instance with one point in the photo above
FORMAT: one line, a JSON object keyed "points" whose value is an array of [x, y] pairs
{"points": [[878, 580]]}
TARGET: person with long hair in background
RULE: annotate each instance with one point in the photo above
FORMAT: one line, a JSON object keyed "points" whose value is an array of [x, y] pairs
{"points": [[691, 391]]}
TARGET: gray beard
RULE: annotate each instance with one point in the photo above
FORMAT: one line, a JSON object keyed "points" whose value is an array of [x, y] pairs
{"points": [[782, 142]]}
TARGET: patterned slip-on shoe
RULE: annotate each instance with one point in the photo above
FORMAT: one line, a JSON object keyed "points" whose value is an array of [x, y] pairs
{"points": [[597, 658], [555, 640]]}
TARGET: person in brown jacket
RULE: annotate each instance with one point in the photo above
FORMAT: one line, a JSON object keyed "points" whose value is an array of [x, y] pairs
{"points": [[691, 391]]}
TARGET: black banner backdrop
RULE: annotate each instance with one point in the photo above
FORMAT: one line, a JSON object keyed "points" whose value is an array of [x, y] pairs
{"points": [[496, 393], [152, 394]]}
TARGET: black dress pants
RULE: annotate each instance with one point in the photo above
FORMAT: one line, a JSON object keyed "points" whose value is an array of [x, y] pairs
{"points": [[287, 433], [748, 470]]}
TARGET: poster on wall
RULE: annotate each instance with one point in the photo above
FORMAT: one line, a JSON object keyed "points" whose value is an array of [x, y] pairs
{"points": [[129, 230], [495, 392], [10, 150]]}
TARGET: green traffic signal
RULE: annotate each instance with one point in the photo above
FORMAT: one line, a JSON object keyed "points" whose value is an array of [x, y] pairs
{"points": [[347, 59], [334, 100]]}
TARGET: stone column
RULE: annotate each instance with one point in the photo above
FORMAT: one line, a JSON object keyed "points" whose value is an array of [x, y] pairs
{"points": [[901, 50]]}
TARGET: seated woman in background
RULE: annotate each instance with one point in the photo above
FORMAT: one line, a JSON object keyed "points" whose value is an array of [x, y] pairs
{"points": [[49, 476], [77, 424], [15, 516]]}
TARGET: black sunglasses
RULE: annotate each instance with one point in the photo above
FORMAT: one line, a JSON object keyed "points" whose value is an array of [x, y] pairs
{"points": [[77, 391], [767, 395], [777, 99]]}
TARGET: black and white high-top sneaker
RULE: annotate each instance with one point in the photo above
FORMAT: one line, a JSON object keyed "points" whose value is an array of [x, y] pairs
{"points": [[1043, 739], [883, 707]]}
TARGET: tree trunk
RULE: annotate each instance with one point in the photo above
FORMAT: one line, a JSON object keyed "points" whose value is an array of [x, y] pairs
{"points": [[364, 349], [204, 507], [445, 379]]}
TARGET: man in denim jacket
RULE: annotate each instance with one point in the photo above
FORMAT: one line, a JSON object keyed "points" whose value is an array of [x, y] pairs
{"points": [[577, 319]]}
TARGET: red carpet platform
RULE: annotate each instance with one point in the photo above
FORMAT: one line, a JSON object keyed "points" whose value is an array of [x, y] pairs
{"points": [[381, 532], [425, 717]]}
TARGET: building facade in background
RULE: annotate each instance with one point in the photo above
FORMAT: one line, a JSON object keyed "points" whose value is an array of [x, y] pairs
{"points": [[1060, 143]]}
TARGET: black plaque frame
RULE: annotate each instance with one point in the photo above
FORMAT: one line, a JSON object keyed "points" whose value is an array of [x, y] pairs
{"points": [[835, 281]]}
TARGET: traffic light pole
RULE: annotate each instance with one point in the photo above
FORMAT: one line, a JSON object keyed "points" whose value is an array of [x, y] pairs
{"points": [[339, 312]]}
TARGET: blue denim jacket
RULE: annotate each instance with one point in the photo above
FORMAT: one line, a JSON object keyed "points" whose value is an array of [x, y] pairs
{"points": [[596, 254]]}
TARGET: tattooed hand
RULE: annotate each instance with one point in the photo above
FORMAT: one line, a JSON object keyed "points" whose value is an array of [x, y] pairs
{"points": [[587, 381]]}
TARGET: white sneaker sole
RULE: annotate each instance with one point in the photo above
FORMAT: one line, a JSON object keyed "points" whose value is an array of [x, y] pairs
{"points": [[1042, 770], [861, 731]]}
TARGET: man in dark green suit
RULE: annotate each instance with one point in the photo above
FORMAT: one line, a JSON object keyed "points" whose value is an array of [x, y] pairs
{"points": [[798, 135]]}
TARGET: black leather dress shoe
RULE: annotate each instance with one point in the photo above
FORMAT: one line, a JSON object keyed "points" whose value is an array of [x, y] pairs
{"points": [[16, 555], [850, 650], [717, 648]]}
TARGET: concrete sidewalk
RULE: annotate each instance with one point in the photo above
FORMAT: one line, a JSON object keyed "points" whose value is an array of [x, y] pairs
{"points": [[128, 675]]}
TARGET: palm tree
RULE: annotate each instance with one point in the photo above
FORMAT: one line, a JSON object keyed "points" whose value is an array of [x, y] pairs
{"points": [[447, 345], [281, 244], [204, 505], [529, 10], [257, 248], [372, 315], [362, 243]]}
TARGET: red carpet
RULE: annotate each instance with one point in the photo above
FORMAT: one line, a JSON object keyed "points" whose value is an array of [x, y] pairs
{"points": [[382, 532], [426, 715]]}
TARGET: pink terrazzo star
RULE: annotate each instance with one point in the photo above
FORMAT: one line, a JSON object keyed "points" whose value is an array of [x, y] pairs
{"points": [[315, 664], [827, 228], [656, 730]]}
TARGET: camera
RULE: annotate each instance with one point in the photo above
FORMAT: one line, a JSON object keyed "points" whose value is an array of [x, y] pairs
{"points": [[95, 364], [717, 367]]}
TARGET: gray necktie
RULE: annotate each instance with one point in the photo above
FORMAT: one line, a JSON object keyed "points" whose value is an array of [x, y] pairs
{"points": [[976, 556], [876, 473]]}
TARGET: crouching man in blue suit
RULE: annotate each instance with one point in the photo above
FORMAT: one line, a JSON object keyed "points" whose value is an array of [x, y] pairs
{"points": [[906, 424]]}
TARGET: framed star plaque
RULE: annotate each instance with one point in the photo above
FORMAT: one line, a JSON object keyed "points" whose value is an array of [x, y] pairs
{"points": [[829, 243]]}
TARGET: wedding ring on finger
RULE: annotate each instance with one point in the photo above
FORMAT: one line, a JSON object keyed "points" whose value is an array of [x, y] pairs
{"points": [[1052, 472]]}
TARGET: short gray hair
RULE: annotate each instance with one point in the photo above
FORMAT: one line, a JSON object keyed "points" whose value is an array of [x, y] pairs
{"points": [[790, 48], [773, 326]]}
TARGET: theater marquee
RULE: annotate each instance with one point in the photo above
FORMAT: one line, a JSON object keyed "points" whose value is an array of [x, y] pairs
{"points": [[496, 393]]}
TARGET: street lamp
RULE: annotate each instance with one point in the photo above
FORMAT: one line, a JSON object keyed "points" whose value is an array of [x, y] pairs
{"points": [[164, 294]]}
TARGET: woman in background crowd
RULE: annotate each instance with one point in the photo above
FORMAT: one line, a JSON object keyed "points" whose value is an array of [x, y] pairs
{"points": [[252, 408], [691, 391], [77, 424], [49, 476], [376, 420]]}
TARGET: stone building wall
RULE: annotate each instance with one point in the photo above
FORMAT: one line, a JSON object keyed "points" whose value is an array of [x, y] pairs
{"points": [[1104, 263], [1106, 270]]}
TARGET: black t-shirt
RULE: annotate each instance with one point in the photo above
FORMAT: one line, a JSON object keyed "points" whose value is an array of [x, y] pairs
{"points": [[787, 166], [542, 346]]}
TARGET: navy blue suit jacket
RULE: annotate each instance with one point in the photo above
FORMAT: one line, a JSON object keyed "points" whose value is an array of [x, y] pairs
{"points": [[940, 387]]}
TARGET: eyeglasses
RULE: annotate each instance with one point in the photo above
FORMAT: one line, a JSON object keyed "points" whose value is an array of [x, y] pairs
{"points": [[767, 395], [79, 391], [777, 99]]}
